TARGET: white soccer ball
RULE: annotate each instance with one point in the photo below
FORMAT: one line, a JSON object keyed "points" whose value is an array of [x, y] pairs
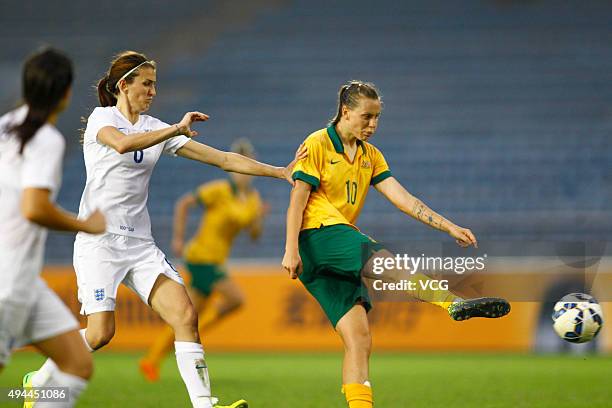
{"points": [[577, 318]]}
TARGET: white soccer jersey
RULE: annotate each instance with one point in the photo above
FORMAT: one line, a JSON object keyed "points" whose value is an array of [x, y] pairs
{"points": [[22, 243], [118, 184]]}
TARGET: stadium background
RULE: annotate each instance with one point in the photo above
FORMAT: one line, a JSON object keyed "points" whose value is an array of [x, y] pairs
{"points": [[498, 114]]}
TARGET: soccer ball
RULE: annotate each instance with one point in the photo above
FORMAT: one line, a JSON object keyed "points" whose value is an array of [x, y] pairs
{"points": [[577, 318]]}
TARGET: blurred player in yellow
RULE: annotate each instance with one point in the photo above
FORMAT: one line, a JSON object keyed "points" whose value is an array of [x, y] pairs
{"points": [[231, 206], [326, 250]]}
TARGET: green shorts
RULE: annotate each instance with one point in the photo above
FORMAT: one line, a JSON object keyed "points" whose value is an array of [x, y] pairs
{"points": [[204, 276], [332, 258]]}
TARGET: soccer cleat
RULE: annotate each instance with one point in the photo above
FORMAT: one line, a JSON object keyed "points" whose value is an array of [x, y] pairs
{"points": [[238, 404], [149, 370], [478, 307], [27, 385]]}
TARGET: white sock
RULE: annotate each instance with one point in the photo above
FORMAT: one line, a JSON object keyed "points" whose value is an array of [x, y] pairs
{"points": [[42, 375], [193, 369], [76, 385]]}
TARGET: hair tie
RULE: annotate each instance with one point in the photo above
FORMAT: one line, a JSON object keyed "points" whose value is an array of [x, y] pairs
{"points": [[106, 85]]}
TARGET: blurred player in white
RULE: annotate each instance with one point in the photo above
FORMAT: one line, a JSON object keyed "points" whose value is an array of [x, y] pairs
{"points": [[121, 147], [31, 154]]}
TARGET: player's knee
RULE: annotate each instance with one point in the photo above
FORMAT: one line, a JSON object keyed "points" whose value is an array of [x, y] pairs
{"points": [[366, 343], [183, 317], [190, 317], [359, 340], [100, 337]]}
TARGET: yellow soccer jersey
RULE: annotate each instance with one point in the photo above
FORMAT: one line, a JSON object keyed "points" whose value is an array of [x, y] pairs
{"points": [[226, 215], [339, 186]]}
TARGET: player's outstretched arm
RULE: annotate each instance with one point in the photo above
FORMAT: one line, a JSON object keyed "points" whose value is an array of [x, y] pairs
{"points": [[295, 214], [181, 212], [117, 140], [409, 204], [37, 207], [238, 163]]}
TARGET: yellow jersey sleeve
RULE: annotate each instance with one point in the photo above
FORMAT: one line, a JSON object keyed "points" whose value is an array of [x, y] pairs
{"points": [[209, 194], [380, 168], [309, 169]]}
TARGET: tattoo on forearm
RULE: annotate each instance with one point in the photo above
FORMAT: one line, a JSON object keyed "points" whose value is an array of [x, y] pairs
{"points": [[425, 214]]}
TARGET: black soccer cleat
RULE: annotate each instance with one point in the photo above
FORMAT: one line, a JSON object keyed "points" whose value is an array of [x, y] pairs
{"points": [[479, 307]]}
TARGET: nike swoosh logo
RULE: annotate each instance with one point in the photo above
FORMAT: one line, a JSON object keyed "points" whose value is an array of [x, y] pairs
{"points": [[200, 366], [334, 162]]}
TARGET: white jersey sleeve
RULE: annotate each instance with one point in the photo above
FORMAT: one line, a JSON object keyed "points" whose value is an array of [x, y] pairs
{"points": [[99, 118], [42, 161], [173, 144]]}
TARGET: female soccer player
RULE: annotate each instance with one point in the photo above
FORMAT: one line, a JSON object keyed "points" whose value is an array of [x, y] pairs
{"points": [[121, 147], [326, 248], [31, 154], [231, 206]]}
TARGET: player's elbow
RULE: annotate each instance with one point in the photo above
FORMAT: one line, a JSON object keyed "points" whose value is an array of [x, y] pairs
{"points": [[120, 147], [29, 213], [33, 213], [404, 207], [35, 205], [115, 142], [181, 211], [403, 202], [120, 144], [185, 202]]}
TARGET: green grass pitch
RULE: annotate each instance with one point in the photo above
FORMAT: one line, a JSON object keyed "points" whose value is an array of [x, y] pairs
{"points": [[313, 381]]}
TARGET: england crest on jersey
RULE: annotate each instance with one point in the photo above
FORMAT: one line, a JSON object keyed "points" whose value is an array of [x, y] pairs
{"points": [[99, 294]]}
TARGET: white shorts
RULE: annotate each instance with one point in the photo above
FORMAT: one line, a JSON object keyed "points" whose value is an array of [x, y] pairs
{"points": [[103, 262], [22, 324]]}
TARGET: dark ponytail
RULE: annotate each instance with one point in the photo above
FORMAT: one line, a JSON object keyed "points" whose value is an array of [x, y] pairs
{"points": [[47, 76], [349, 95], [106, 97]]}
